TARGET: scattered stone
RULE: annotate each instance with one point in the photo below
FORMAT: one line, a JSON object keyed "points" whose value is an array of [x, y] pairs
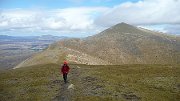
{"points": [[96, 87], [71, 86], [131, 97], [78, 67], [56, 81], [89, 79], [178, 86]]}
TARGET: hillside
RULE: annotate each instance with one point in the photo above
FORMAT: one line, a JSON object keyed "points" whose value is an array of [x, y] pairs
{"points": [[119, 44], [91, 83], [126, 44]]}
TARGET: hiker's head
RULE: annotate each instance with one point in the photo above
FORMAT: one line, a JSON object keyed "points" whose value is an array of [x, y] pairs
{"points": [[65, 62]]}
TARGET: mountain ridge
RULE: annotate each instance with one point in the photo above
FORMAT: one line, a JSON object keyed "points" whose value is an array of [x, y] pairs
{"points": [[128, 42], [123, 44]]}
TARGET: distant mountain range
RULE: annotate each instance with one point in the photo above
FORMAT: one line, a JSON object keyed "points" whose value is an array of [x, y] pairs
{"points": [[43, 37], [119, 44]]}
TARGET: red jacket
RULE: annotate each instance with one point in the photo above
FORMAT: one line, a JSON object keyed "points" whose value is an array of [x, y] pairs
{"points": [[65, 69]]}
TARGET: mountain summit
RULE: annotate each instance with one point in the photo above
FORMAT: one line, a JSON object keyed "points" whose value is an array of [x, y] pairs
{"points": [[127, 44], [119, 44]]}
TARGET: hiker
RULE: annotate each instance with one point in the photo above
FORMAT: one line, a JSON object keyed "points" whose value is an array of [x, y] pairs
{"points": [[64, 70]]}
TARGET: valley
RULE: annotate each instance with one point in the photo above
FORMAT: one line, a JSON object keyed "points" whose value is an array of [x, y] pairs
{"points": [[14, 50]]}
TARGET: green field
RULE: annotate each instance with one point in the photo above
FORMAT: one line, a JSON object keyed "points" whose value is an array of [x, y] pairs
{"points": [[93, 83]]}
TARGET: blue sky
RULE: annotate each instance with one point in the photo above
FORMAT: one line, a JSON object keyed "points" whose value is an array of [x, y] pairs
{"points": [[54, 4], [81, 18]]}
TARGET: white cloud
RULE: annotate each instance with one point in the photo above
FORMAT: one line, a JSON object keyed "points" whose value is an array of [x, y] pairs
{"points": [[154, 13], [143, 12], [69, 20], [173, 29], [160, 28], [166, 28]]}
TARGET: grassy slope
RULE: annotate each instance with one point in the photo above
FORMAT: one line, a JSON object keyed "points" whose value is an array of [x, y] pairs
{"points": [[145, 82], [93, 83], [29, 83]]}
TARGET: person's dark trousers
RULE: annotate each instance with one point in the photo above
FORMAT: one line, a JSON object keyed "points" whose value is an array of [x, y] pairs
{"points": [[65, 77]]}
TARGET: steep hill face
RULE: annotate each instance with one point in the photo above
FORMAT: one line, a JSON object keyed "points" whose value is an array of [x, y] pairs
{"points": [[126, 44], [119, 44]]}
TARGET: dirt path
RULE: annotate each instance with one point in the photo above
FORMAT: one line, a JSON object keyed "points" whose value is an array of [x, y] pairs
{"points": [[66, 92]]}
